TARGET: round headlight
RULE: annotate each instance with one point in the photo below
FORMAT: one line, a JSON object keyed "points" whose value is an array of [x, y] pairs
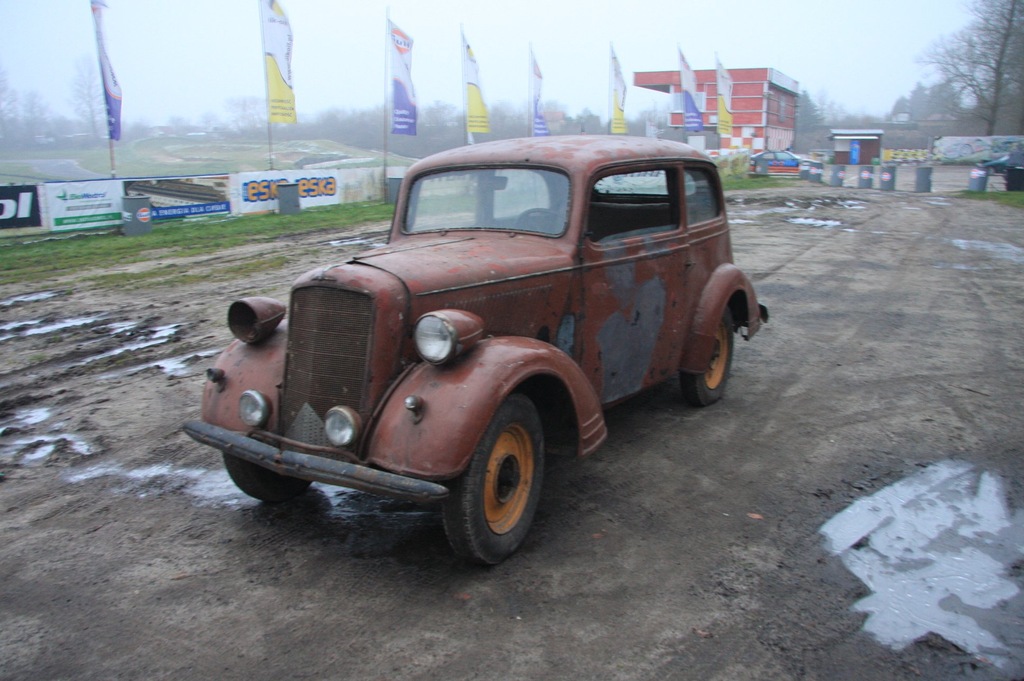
{"points": [[253, 409], [341, 426], [436, 339]]}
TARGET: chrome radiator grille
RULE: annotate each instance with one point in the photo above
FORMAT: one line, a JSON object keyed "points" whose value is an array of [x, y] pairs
{"points": [[329, 333]]}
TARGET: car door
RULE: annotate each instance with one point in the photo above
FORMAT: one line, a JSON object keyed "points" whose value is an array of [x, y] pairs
{"points": [[634, 262]]}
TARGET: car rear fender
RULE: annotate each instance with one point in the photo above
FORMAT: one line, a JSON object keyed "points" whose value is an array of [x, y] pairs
{"points": [[453, 404], [726, 286]]}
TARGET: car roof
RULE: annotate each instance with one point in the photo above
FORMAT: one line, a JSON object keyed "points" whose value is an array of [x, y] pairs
{"points": [[570, 152]]}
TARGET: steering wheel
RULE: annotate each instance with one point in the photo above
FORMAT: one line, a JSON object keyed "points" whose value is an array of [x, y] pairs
{"points": [[538, 220]]}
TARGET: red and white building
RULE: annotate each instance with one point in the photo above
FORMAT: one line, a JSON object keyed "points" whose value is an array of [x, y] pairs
{"points": [[763, 107]]}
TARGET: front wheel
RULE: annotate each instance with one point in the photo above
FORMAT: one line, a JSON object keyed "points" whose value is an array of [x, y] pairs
{"points": [[263, 483], [704, 389], [491, 505]]}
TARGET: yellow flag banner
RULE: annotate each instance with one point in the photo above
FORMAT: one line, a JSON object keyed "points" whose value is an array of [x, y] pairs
{"points": [[476, 110], [277, 47], [618, 94], [724, 100]]}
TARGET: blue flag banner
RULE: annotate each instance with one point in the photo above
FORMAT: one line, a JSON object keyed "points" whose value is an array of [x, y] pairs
{"points": [[540, 125], [111, 89]]}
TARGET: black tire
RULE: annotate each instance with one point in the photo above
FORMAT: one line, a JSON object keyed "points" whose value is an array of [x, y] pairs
{"points": [[701, 390], [263, 483], [491, 505]]}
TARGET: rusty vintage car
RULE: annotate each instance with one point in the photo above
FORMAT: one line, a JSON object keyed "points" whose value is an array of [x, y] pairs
{"points": [[526, 285]]}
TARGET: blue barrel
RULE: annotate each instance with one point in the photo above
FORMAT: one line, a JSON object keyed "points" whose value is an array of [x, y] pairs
{"points": [[838, 176], [866, 178], [816, 173], [923, 180], [887, 180], [979, 180]]}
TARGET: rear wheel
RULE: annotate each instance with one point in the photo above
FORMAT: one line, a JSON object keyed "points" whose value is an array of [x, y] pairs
{"points": [[263, 483], [491, 506], [700, 390]]}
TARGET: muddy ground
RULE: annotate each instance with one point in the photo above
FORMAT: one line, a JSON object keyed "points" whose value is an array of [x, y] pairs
{"points": [[688, 547]]}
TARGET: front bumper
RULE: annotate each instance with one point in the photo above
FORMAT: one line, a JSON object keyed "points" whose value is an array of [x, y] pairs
{"points": [[315, 468]]}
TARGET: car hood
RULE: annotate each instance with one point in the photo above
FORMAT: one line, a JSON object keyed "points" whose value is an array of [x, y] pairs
{"points": [[432, 263]]}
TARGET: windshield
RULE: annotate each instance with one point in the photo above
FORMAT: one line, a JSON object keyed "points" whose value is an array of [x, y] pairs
{"points": [[517, 199]]}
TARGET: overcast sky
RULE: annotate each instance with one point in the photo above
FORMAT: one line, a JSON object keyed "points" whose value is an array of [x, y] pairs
{"points": [[187, 57]]}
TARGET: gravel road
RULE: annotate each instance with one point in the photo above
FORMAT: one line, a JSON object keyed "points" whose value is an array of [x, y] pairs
{"points": [[691, 546]]}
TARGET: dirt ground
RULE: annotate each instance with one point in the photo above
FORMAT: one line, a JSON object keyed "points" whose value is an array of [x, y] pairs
{"points": [[688, 547]]}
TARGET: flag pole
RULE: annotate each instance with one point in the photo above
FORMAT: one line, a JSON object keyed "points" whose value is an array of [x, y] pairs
{"points": [[388, 106], [465, 88], [266, 86]]}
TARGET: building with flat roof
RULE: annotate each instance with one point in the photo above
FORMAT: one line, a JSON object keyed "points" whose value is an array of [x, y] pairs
{"points": [[763, 107]]}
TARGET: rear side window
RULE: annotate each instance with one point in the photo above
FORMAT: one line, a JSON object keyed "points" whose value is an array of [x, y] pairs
{"points": [[701, 196], [633, 204]]}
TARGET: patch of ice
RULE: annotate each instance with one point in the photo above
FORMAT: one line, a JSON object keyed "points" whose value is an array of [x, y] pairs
{"points": [[812, 222], [207, 487], [1004, 251], [172, 366], [936, 550], [29, 298]]}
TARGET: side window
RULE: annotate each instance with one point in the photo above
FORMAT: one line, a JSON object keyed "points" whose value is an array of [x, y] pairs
{"points": [[701, 196], [633, 204]]}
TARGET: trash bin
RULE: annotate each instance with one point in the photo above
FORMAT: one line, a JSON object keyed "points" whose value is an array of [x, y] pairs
{"points": [[887, 180], [394, 185], [288, 198], [805, 170], [137, 215], [1015, 179], [867, 177], [838, 175], [923, 179], [979, 180], [816, 173]]}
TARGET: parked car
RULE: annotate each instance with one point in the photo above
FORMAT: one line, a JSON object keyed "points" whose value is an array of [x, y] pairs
{"points": [[775, 163], [526, 285], [997, 166]]}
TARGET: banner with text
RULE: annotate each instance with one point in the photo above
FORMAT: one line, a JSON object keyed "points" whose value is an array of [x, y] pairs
{"points": [[83, 205], [19, 206], [183, 197], [256, 192]]}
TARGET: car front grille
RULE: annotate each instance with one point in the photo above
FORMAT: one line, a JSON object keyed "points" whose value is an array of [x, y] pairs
{"points": [[329, 333]]}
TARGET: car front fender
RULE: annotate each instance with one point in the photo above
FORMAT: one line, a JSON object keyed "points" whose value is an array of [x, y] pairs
{"points": [[240, 367], [453, 404]]}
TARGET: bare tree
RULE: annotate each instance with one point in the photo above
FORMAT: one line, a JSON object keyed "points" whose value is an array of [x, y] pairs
{"points": [[35, 117], [87, 96], [8, 109], [247, 114], [984, 61]]}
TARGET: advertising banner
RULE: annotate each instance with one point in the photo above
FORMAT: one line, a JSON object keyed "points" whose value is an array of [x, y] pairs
{"points": [[974, 149], [256, 192], [477, 119], [403, 96], [618, 97], [19, 206], [182, 197], [540, 125], [277, 46], [83, 205]]}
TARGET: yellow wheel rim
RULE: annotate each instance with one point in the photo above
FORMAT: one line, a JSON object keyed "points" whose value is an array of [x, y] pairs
{"points": [[719, 358], [509, 479]]}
